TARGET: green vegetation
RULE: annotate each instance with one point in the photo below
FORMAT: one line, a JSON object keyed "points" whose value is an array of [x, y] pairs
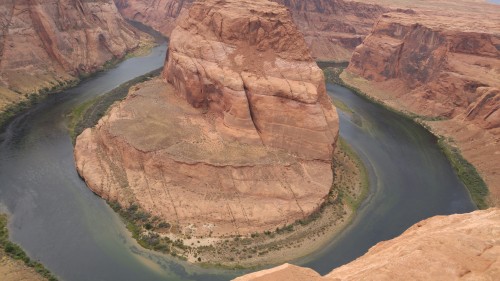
{"points": [[30, 100], [143, 226], [88, 114], [33, 98], [467, 174], [13, 251], [332, 74], [344, 195]]}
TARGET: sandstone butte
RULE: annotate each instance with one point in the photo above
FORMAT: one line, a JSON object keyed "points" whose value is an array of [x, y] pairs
{"points": [[445, 70], [46, 44], [455, 247], [332, 28], [236, 137]]}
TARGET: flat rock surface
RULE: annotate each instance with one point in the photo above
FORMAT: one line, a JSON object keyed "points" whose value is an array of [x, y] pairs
{"points": [[455, 247]]}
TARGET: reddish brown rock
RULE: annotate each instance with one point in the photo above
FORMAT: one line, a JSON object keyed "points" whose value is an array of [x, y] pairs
{"points": [[159, 14], [237, 138], [44, 44], [456, 247], [441, 69], [251, 67], [332, 29]]}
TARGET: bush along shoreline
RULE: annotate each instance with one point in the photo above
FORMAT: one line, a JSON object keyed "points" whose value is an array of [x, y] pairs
{"points": [[257, 249], [14, 251], [10, 111], [466, 172]]}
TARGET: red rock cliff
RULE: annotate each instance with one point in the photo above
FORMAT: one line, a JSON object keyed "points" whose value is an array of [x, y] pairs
{"points": [[434, 66], [236, 138], [446, 71], [250, 66], [332, 29], [47, 43]]}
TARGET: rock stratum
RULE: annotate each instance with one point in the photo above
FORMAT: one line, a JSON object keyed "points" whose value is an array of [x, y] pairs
{"points": [[456, 247], [237, 137], [332, 29], [46, 44], [446, 71]]}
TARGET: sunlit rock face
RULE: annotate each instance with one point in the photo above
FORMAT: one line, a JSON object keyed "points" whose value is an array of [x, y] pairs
{"points": [[237, 135]]}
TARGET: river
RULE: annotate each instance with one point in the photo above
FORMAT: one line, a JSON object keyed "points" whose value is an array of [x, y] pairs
{"points": [[61, 223]]}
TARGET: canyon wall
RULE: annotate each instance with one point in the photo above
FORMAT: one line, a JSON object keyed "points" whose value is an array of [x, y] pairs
{"points": [[46, 44], [455, 247], [236, 137], [445, 70], [332, 29]]}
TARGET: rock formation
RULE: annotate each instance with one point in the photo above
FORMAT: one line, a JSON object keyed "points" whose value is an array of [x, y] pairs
{"points": [[237, 137], [159, 14], [44, 44], [332, 29], [441, 69], [456, 247]]}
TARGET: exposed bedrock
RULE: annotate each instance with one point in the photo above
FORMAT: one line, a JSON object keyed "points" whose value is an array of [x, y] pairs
{"points": [[236, 137], [47, 43], [444, 70], [456, 247], [332, 29]]}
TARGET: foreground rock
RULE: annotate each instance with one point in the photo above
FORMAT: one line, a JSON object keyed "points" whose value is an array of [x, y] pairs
{"points": [[440, 248], [443, 70], [238, 139], [332, 29], [46, 44]]}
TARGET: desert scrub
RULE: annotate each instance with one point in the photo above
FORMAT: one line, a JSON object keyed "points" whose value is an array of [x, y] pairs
{"points": [[13, 251], [467, 174], [87, 114], [145, 230], [344, 195]]}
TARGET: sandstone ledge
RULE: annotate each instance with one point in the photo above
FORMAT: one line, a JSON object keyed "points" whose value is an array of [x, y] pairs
{"points": [[455, 247], [446, 73]]}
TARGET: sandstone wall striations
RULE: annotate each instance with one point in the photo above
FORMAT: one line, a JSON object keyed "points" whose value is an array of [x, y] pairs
{"points": [[256, 73], [237, 138], [456, 247], [332, 29], [444, 70], [47, 43], [159, 14]]}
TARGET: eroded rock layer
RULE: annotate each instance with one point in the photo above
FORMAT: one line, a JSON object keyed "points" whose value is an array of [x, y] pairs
{"points": [[47, 43], [456, 247], [237, 137], [332, 29], [443, 70]]}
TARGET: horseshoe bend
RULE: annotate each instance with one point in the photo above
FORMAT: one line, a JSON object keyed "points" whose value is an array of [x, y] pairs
{"points": [[227, 152]]}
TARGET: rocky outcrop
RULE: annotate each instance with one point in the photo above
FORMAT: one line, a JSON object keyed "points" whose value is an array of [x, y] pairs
{"points": [[445, 71], [236, 138], [44, 44], [159, 14], [429, 66], [456, 247], [332, 29], [254, 72]]}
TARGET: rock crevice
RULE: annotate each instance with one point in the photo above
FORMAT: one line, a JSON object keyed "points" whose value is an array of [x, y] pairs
{"points": [[221, 144]]}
